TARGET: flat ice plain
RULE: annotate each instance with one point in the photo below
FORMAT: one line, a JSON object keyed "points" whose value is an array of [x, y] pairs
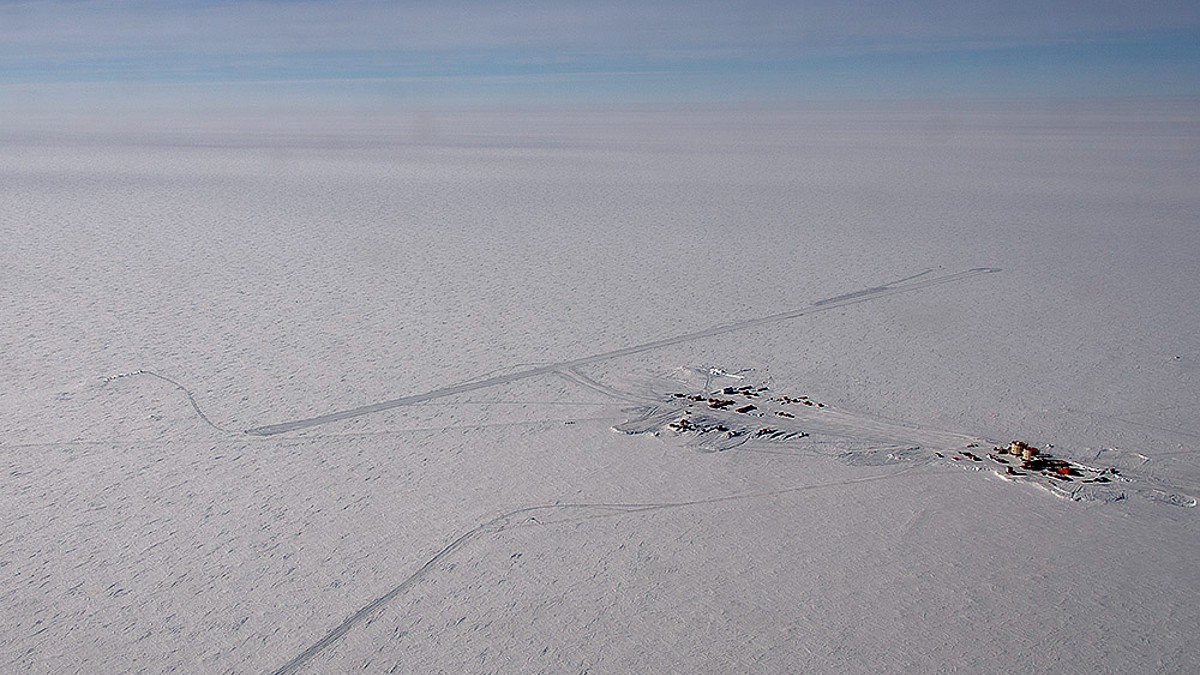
{"points": [[165, 293]]}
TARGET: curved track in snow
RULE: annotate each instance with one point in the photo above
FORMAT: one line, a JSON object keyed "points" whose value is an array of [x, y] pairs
{"points": [[522, 516]]}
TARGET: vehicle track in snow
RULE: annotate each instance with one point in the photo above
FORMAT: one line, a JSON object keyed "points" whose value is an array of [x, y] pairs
{"points": [[186, 392], [904, 285], [575, 376], [527, 516]]}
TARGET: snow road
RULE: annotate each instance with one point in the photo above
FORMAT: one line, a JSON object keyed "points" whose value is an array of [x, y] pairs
{"points": [[906, 285]]}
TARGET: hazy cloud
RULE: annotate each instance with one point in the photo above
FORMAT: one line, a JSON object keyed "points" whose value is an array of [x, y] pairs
{"points": [[446, 49], [398, 33]]}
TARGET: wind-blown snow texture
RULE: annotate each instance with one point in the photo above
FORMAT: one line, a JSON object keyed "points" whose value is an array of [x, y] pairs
{"points": [[164, 294]]}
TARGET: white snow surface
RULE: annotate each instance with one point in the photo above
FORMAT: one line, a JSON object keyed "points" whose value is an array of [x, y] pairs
{"points": [[164, 293]]}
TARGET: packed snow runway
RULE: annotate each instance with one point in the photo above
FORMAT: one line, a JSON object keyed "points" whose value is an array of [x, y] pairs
{"points": [[605, 393], [830, 303]]}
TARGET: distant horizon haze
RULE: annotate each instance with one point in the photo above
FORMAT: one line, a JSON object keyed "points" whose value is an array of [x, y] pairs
{"points": [[72, 61]]}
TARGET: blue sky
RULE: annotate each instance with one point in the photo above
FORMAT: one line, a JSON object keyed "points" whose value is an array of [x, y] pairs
{"points": [[83, 55]]}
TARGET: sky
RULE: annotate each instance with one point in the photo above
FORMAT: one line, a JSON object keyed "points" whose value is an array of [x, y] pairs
{"points": [[59, 57]]}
